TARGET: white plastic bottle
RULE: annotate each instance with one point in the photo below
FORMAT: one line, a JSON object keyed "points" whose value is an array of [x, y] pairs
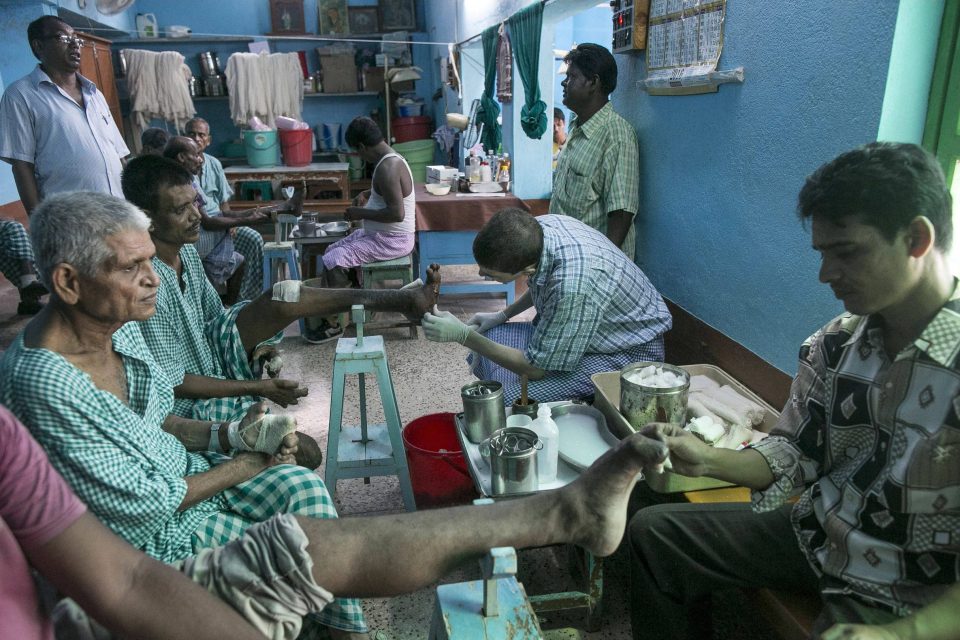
{"points": [[549, 436]]}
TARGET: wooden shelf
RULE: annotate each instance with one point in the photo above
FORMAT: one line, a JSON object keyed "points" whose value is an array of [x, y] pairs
{"points": [[204, 40], [355, 94]]}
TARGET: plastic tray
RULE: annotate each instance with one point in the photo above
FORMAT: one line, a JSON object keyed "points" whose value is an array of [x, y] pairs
{"points": [[607, 400]]}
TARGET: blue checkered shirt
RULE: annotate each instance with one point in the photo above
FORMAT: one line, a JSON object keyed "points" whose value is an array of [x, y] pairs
{"points": [[589, 297]]}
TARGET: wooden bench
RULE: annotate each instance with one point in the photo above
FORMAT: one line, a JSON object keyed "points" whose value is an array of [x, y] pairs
{"points": [[789, 614]]}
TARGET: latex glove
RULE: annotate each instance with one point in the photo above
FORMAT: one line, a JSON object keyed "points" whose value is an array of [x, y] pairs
{"points": [[443, 326], [483, 322]]}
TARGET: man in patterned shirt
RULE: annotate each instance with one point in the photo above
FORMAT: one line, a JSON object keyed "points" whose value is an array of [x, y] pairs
{"points": [[598, 171], [596, 310], [84, 382], [870, 434]]}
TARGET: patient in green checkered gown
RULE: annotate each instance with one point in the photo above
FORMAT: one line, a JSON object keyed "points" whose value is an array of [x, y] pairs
{"points": [[211, 354], [83, 380]]}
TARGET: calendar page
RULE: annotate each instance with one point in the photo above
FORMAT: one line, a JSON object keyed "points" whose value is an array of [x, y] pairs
{"points": [[684, 39]]}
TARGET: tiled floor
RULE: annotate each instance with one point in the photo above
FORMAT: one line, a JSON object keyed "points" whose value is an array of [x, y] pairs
{"points": [[427, 378]]}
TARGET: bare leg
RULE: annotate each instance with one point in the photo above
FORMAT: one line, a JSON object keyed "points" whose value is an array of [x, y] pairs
{"points": [[265, 316], [389, 555], [234, 283]]}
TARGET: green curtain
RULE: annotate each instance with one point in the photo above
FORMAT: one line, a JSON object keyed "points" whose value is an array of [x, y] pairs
{"points": [[525, 26], [489, 109], [941, 133]]}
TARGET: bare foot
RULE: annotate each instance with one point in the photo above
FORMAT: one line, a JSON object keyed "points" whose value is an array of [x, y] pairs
{"points": [[423, 299], [596, 504]]}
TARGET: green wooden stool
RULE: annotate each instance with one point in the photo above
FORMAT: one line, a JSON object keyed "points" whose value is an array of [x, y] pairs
{"points": [[379, 449], [263, 188], [379, 272]]}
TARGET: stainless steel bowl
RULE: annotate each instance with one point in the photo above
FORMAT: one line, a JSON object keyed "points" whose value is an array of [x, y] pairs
{"points": [[642, 405]]}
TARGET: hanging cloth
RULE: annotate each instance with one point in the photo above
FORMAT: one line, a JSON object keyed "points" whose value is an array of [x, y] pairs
{"points": [[489, 109], [525, 28], [504, 67]]}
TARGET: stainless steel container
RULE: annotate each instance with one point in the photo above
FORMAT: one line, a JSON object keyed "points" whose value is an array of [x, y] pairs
{"points": [[513, 460], [642, 405], [212, 86], [209, 65], [483, 410]]}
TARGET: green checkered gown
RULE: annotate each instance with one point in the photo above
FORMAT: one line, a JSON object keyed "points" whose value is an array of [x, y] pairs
{"points": [[130, 472], [14, 249], [281, 489], [598, 171], [192, 333]]}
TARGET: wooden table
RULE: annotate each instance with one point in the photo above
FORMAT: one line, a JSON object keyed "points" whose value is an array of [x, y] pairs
{"points": [[334, 175], [446, 227]]}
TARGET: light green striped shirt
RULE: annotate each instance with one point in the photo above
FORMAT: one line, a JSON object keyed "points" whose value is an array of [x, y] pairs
{"points": [[598, 172]]}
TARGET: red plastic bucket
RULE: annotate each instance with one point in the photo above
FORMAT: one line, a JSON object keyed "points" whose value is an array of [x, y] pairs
{"points": [[438, 470], [411, 128], [296, 145]]}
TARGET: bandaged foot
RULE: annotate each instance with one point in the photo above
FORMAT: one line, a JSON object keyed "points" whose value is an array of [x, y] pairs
{"points": [[424, 298], [265, 435], [287, 291]]}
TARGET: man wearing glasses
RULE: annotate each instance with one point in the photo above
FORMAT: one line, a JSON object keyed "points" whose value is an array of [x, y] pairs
{"points": [[56, 129]]}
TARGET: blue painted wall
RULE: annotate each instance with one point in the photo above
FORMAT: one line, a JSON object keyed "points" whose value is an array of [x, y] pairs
{"points": [[720, 172]]}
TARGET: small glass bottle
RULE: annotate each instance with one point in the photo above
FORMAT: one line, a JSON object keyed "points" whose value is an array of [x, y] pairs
{"points": [[485, 174], [474, 173]]}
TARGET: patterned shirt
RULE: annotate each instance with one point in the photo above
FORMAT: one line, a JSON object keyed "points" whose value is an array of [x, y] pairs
{"points": [[877, 443], [72, 147], [191, 332], [115, 456], [589, 298], [598, 171]]}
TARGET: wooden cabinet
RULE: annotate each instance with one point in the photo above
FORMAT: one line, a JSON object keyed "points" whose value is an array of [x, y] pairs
{"points": [[96, 64]]}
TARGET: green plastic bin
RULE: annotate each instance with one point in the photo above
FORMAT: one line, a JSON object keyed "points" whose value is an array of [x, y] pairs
{"points": [[418, 154], [263, 148]]}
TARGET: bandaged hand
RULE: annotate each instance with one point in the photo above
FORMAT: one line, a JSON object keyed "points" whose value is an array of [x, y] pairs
{"points": [[483, 322], [443, 326]]}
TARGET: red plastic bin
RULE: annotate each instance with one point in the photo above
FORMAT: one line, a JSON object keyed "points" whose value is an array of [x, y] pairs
{"points": [[297, 146], [438, 470], [412, 128]]}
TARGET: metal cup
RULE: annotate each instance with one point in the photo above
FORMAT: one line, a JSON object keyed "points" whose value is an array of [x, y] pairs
{"points": [[642, 405], [483, 410], [513, 460], [307, 225]]}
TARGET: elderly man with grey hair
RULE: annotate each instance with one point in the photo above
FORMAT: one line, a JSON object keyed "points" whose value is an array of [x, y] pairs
{"points": [[84, 382]]}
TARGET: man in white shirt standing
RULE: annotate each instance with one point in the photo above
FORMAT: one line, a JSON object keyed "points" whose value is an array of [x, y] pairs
{"points": [[56, 129]]}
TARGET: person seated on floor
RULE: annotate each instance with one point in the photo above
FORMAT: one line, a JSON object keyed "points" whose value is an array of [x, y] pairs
{"points": [[869, 434], [16, 263], [277, 570], [386, 211], [153, 141], [84, 381], [596, 310], [216, 191], [228, 246], [43, 526]]}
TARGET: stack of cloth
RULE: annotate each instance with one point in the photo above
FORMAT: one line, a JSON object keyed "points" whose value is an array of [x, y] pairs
{"points": [[159, 84], [264, 86], [721, 415]]}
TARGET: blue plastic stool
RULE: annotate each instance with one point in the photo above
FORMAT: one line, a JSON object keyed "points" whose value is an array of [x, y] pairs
{"points": [[379, 450]]}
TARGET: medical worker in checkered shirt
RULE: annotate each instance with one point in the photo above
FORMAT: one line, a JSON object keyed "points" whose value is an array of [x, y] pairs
{"points": [[596, 310]]}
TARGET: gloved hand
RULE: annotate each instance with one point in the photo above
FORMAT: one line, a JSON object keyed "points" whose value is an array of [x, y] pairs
{"points": [[443, 326], [483, 322]]}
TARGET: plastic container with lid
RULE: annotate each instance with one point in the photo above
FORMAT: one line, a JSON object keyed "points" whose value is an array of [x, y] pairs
{"points": [[549, 435]]}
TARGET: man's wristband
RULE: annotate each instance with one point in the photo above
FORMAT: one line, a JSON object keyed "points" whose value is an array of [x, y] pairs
{"points": [[215, 438]]}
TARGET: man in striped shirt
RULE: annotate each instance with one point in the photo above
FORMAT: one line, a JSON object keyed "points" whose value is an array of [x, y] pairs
{"points": [[598, 171]]}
